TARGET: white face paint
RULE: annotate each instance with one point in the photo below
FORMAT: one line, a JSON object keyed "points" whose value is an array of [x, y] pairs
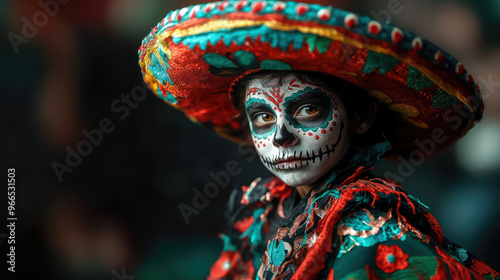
{"points": [[298, 129]]}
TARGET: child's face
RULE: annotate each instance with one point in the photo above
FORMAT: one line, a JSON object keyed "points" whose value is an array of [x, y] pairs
{"points": [[300, 130]]}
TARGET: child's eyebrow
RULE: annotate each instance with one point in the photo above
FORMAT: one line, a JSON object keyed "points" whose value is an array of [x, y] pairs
{"points": [[257, 106], [308, 97]]}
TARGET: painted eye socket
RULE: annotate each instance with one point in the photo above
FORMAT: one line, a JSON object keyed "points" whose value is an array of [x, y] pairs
{"points": [[264, 119], [306, 112]]}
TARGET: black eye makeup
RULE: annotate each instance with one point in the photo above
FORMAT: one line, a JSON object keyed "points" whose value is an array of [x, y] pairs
{"points": [[309, 109], [262, 117]]}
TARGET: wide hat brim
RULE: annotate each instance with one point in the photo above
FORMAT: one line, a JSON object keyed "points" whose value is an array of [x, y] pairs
{"points": [[192, 57]]}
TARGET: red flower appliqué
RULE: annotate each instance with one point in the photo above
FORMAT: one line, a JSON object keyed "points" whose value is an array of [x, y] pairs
{"points": [[390, 259]]}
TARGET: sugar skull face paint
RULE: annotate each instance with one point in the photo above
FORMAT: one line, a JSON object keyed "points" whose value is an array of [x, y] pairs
{"points": [[298, 129]]}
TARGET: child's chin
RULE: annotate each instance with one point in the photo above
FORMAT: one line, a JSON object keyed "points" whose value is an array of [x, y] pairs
{"points": [[296, 179]]}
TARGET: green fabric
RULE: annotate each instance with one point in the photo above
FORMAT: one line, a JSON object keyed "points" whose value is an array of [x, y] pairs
{"points": [[442, 99], [418, 268], [246, 59], [271, 64], [422, 261], [218, 61], [416, 80], [318, 42], [379, 61]]}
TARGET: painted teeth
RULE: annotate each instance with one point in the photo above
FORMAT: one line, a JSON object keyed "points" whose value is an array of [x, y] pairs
{"points": [[270, 161]]}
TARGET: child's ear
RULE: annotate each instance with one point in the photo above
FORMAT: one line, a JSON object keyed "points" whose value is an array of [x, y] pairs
{"points": [[364, 118]]}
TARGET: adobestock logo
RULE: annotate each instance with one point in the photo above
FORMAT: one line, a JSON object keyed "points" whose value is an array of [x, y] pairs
{"points": [[211, 190], [93, 138], [455, 117]]}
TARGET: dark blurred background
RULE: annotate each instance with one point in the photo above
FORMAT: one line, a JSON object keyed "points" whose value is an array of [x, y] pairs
{"points": [[117, 212]]}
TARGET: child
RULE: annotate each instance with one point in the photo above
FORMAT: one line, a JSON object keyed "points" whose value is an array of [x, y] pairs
{"points": [[322, 94]]}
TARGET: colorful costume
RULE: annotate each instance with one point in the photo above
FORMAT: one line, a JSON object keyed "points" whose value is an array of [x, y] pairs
{"points": [[359, 227], [353, 225]]}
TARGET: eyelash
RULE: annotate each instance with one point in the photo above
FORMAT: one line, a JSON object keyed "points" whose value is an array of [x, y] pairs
{"points": [[264, 123], [254, 117], [305, 107]]}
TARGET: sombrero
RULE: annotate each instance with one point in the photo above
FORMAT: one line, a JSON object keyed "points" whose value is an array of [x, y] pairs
{"points": [[193, 56]]}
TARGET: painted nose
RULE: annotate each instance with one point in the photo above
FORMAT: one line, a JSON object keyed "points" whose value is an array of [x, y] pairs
{"points": [[284, 138]]}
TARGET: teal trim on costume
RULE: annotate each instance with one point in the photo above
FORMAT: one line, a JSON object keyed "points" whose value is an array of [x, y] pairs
{"points": [[277, 252], [256, 135], [462, 255], [358, 221], [228, 245], [418, 200], [157, 69], [254, 232], [379, 61], [293, 123]]}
